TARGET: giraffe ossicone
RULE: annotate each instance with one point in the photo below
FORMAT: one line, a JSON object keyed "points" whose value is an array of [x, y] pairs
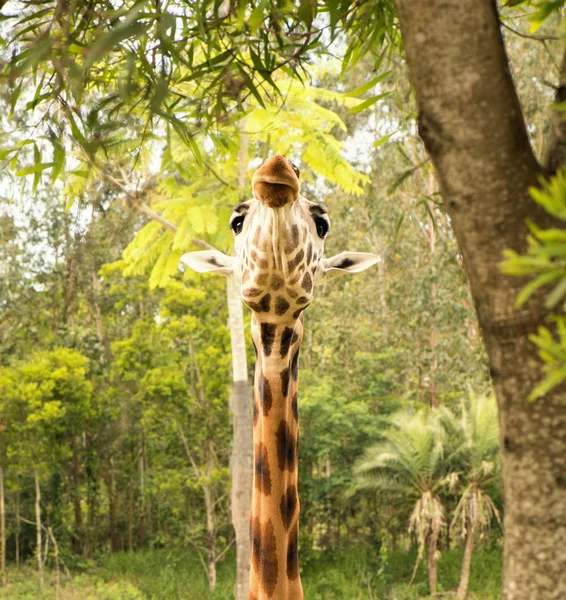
{"points": [[279, 244]]}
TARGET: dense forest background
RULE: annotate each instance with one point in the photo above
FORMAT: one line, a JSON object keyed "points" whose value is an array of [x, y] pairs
{"points": [[115, 428]]}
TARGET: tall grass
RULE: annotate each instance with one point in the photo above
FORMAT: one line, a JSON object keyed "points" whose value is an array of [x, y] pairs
{"points": [[176, 575]]}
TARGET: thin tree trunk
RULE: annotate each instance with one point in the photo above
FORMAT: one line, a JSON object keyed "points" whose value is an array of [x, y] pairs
{"points": [[57, 569], [2, 529], [432, 545], [75, 478], [112, 508], [141, 502], [241, 461], [38, 528], [131, 517], [466, 564], [211, 531], [18, 529]]}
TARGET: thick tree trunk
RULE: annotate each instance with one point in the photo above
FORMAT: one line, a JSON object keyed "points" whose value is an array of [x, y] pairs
{"points": [[38, 528], [2, 529], [466, 564], [471, 122]]}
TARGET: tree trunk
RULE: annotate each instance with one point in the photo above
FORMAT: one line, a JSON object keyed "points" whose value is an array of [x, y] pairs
{"points": [[211, 531], [466, 563], [241, 461], [471, 122], [141, 501], [75, 479], [57, 569], [18, 529], [112, 507], [38, 528], [131, 516], [432, 546], [242, 449], [2, 529]]}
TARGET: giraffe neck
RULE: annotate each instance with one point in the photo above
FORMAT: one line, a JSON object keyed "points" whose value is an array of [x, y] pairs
{"points": [[274, 522]]}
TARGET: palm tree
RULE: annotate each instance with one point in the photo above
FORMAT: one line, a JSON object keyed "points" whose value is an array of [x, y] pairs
{"points": [[473, 438], [408, 465]]}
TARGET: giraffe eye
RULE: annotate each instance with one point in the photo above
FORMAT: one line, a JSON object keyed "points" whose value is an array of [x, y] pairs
{"points": [[237, 224], [322, 226]]}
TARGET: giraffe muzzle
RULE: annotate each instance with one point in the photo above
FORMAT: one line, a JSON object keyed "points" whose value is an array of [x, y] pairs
{"points": [[276, 182]]}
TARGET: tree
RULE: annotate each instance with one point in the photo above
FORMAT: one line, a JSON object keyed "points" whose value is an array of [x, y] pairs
{"points": [[408, 467], [485, 166], [473, 452]]}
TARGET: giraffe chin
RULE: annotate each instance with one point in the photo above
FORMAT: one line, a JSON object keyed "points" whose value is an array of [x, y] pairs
{"points": [[274, 195]]}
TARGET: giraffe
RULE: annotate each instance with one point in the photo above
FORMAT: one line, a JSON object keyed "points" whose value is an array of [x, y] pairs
{"points": [[279, 242]]}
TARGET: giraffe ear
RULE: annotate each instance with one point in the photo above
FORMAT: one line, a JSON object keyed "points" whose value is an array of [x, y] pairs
{"points": [[346, 263], [209, 261]]}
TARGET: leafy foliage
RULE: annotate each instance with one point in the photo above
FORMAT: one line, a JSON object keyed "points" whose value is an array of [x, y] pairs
{"points": [[545, 263]]}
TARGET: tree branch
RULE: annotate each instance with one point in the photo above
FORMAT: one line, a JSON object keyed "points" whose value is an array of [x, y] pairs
{"points": [[135, 201], [556, 152]]}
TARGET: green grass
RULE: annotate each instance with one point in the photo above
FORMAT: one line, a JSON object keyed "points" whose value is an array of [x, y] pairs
{"points": [[175, 575]]}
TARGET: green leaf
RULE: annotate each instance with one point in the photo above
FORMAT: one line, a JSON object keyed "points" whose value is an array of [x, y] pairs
{"points": [[251, 86], [534, 285], [367, 103], [556, 295], [382, 140], [367, 86], [33, 169]]}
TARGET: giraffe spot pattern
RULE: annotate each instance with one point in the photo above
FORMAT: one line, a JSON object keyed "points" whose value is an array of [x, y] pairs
{"points": [[309, 254], [286, 338], [297, 313], [285, 382], [286, 447], [267, 337], [276, 282], [263, 305], [295, 234], [265, 394], [281, 305], [262, 279], [293, 554], [256, 412], [262, 472], [264, 554], [306, 283], [295, 407], [295, 365], [302, 300], [293, 340], [288, 506], [293, 263], [291, 292]]}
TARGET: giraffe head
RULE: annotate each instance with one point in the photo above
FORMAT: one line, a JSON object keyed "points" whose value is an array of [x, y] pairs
{"points": [[279, 245]]}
